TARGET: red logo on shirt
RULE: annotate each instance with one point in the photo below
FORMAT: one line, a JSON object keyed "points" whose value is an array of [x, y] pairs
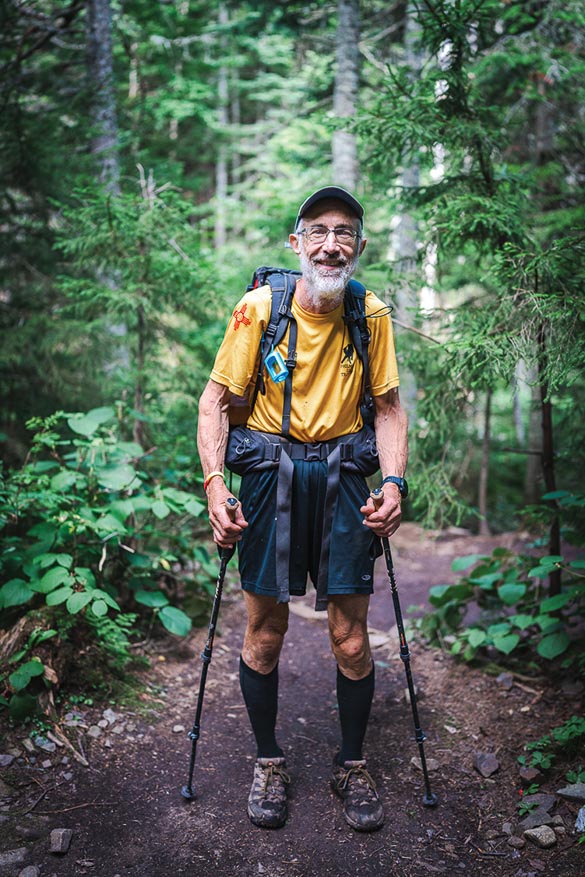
{"points": [[240, 317]]}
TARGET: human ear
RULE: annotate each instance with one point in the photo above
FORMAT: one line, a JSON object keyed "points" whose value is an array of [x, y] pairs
{"points": [[294, 243]]}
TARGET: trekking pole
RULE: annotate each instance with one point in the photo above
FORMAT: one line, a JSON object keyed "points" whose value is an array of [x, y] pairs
{"points": [[429, 798], [225, 555]]}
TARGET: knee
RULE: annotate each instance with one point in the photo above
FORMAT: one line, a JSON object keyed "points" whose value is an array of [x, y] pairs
{"points": [[262, 645], [352, 652]]}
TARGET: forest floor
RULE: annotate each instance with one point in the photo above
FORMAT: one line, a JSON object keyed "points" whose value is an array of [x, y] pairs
{"points": [[127, 816]]}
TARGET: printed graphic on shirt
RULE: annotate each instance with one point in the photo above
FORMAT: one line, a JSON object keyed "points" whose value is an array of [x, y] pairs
{"points": [[347, 360], [240, 317]]}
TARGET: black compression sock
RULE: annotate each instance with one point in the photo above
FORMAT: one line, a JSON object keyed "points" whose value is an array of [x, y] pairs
{"points": [[260, 691], [354, 697]]}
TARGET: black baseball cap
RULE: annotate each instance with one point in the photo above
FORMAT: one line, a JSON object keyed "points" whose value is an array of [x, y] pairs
{"points": [[335, 192]]}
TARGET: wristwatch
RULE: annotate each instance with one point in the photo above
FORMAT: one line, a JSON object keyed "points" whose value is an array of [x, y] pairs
{"points": [[401, 483]]}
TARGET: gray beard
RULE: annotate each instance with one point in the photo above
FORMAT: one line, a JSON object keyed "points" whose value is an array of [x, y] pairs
{"points": [[326, 288]]}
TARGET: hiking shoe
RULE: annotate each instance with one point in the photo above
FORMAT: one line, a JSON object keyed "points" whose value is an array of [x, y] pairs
{"points": [[267, 800], [362, 807]]}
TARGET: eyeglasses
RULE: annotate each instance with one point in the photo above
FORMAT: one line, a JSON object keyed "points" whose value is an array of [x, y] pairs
{"points": [[318, 234]]}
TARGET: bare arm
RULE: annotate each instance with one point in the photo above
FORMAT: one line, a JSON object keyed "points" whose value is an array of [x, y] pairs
{"points": [[212, 436], [391, 426]]}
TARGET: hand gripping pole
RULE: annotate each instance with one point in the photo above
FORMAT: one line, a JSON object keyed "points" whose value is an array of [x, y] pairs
{"points": [[429, 798], [225, 555]]}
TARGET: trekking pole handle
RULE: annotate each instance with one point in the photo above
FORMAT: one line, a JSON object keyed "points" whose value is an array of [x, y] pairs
{"points": [[231, 507], [377, 496]]}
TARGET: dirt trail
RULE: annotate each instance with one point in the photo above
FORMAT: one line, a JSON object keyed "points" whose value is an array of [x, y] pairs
{"points": [[128, 818]]}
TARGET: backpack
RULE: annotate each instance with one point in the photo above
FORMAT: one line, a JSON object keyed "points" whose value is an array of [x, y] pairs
{"points": [[282, 282]]}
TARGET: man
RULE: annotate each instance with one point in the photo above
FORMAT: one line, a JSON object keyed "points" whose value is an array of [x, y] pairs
{"points": [[326, 395]]}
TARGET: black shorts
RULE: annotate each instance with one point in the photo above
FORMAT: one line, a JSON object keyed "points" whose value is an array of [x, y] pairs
{"points": [[353, 546]]}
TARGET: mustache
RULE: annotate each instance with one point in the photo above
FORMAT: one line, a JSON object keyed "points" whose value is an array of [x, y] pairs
{"points": [[338, 263]]}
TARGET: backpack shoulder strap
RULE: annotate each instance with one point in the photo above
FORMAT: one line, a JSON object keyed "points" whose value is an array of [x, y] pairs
{"points": [[355, 319], [282, 284]]}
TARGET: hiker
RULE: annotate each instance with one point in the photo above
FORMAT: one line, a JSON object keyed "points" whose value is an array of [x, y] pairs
{"points": [[305, 509]]}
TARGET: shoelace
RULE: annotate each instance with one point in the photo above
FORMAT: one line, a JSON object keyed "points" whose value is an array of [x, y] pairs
{"points": [[271, 773], [360, 775]]}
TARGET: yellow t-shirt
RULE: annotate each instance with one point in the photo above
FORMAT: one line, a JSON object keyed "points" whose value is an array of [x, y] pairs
{"points": [[327, 379]]}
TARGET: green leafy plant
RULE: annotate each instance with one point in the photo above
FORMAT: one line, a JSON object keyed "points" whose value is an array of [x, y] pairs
{"points": [[525, 806], [87, 532], [514, 612], [566, 739]]}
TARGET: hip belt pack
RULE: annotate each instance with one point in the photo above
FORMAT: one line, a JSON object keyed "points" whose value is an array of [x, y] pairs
{"points": [[250, 450]]}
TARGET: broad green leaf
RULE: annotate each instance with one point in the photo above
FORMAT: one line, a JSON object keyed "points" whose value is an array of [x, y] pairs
{"points": [[476, 637], [553, 645], [551, 604], [506, 642], [194, 507], [577, 564], [439, 595], [547, 622], [486, 582], [52, 579], [42, 466], [129, 450], [62, 481], [175, 621], [121, 509], [556, 494], [89, 423], [110, 524], [55, 598], [511, 594], [500, 628], [117, 477], [173, 495], [78, 601], [461, 563], [14, 593], [141, 561], [160, 509], [103, 595], [154, 599], [522, 621], [550, 560], [99, 608], [22, 706], [84, 576], [22, 676], [540, 572], [51, 558]]}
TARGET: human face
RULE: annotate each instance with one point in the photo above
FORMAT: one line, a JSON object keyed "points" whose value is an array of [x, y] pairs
{"points": [[327, 266]]}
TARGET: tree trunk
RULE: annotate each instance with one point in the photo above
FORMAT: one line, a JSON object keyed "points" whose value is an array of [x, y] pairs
{"points": [[404, 239], [533, 473], [138, 424], [100, 70], [548, 459], [221, 166], [345, 92], [484, 527]]}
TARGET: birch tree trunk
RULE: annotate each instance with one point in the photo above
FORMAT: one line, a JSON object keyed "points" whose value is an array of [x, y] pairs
{"points": [[404, 240], [221, 166], [345, 92], [100, 71]]}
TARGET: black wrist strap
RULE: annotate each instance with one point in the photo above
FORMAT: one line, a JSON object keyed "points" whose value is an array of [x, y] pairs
{"points": [[399, 482]]}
